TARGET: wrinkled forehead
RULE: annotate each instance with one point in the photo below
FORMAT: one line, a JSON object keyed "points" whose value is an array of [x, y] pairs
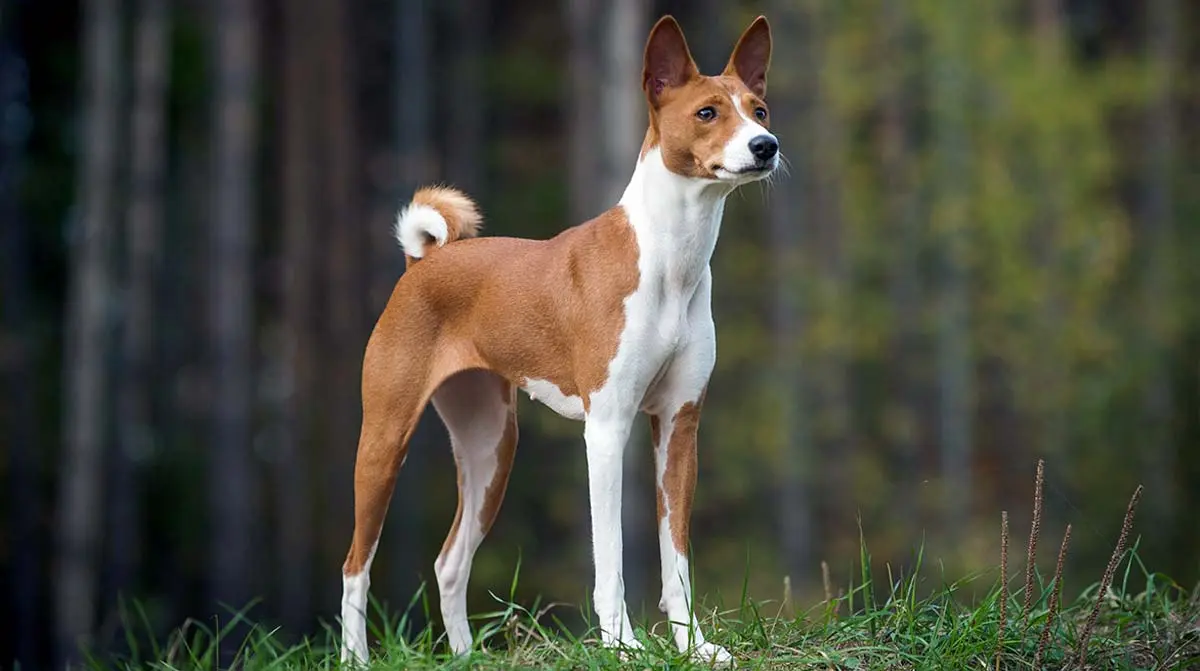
{"points": [[703, 89]]}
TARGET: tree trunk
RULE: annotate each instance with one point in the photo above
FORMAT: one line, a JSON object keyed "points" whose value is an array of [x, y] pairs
{"points": [[898, 165], [466, 108], [18, 357], [414, 130], [954, 358], [81, 499], [622, 103], [1047, 184], [708, 32], [231, 480], [622, 128], [828, 372], [1161, 132], [583, 100], [1048, 26], [345, 296], [136, 430], [293, 511], [792, 99]]}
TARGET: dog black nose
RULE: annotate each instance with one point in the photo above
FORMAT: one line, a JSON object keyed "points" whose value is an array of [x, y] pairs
{"points": [[764, 147]]}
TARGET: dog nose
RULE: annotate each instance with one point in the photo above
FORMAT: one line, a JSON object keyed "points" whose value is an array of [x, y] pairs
{"points": [[764, 147]]}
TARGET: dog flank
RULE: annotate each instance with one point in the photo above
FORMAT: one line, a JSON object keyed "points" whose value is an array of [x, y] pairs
{"points": [[606, 320]]}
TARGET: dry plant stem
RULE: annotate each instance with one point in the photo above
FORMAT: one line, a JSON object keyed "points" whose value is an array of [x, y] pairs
{"points": [[1033, 537], [1003, 584], [1109, 570], [828, 584], [1054, 598]]}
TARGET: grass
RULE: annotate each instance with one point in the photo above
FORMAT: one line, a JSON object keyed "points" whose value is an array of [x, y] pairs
{"points": [[1132, 618]]}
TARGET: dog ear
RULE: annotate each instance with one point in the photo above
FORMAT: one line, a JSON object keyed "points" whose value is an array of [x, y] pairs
{"points": [[667, 61], [752, 57]]}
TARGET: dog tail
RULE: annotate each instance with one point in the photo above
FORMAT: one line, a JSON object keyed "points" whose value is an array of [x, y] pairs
{"points": [[436, 216]]}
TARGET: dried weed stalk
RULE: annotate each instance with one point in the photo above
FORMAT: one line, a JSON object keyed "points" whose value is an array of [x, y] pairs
{"points": [[1109, 570], [1052, 615], [1003, 583], [826, 582], [1034, 531]]}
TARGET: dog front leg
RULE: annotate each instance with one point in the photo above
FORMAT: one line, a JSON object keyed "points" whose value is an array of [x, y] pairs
{"points": [[606, 434], [674, 434]]}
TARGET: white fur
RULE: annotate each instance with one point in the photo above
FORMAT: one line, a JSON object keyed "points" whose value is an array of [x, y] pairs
{"points": [[354, 612], [737, 155], [665, 354], [475, 416], [683, 382], [416, 224], [552, 397], [668, 326]]}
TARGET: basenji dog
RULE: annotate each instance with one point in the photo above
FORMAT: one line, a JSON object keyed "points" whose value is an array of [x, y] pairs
{"points": [[607, 319]]}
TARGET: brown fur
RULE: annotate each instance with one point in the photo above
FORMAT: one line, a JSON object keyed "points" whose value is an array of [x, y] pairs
{"points": [[690, 145], [545, 309], [472, 388], [679, 476], [462, 217]]}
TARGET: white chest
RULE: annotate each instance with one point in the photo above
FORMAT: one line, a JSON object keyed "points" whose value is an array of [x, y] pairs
{"points": [[676, 222]]}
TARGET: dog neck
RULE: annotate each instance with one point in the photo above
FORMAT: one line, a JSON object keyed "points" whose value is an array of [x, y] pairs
{"points": [[676, 219]]}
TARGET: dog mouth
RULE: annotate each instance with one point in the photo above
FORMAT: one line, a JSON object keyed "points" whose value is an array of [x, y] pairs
{"points": [[750, 170]]}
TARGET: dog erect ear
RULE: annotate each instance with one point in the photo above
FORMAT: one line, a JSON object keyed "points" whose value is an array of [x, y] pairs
{"points": [[667, 61], [752, 57]]}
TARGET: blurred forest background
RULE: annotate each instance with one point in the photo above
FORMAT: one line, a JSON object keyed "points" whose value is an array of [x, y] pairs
{"points": [[985, 254]]}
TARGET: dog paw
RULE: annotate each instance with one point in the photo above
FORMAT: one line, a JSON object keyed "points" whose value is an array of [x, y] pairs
{"points": [[713, 654], [629, 648], [626, 649]]}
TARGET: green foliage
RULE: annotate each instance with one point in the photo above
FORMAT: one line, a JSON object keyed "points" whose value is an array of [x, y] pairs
{"points": [[1147, 621]]}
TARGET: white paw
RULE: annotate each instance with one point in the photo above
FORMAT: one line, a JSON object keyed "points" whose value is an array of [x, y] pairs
{"points": [[714, 654], [353, 657], [459, 634], [626, 648]]}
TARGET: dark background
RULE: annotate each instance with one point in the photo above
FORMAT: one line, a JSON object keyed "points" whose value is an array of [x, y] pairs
{"points": [[984, 255]]}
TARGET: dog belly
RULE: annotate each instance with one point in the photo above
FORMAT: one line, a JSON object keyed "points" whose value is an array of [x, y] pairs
{"points": [[548, 394]]}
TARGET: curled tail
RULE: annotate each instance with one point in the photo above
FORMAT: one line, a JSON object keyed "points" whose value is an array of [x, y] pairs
{"points": [[437, 215]]}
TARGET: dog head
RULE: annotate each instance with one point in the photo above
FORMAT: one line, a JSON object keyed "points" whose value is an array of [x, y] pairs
{"points": [[710, 128]]}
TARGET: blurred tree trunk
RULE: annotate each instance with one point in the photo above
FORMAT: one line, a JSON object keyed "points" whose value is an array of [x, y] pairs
{"points": [[1158, 236], [293, 491], [414, 148], [897, 158], [828, 371], [1048, 187], [80, 496], [954, 359], [622, 128], [583, 113], [622, 104], [466, 109], [792, 94], [136, 429], [232, 511], [345, 298], [1048, 27], [18, 356], [183, 350], [708, 33]]}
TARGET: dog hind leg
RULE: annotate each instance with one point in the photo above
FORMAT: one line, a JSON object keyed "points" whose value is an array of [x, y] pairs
{"points": [[479, 410]]}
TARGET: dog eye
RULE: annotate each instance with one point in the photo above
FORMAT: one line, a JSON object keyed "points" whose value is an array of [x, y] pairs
{"points": [[706, 114], [760, 113]]}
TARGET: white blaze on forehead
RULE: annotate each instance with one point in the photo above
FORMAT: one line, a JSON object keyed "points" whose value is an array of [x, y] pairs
{"points": [[737, 150]]}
